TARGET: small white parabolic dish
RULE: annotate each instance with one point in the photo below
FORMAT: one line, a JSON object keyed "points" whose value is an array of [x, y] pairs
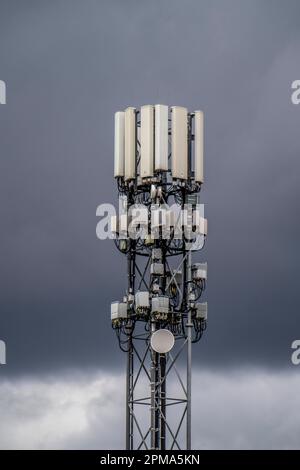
{"points": [[162, 341]]}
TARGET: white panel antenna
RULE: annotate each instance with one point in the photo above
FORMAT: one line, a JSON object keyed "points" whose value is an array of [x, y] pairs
{"points": [[179, 143], [130, 143], [119, 144], [161, 137], [199, 145], [147, 141]]}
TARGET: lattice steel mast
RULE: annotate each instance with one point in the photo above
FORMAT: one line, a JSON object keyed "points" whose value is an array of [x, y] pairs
{"points": [[159, 170]]}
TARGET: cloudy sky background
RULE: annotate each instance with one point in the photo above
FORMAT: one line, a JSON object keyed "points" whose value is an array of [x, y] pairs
{"points": [[68, 67]]}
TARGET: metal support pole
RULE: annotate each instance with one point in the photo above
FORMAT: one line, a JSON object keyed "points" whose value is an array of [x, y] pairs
{"points": [[129, 368], [127, 402], [131, 394], [163, 401], [129, 397], [157, 413], [189, 327], [154, 397]]}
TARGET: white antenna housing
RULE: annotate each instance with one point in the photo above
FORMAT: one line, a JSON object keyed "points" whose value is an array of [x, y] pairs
{"points": [[201, 311], [199, 139], [147, 141], [130, 143], [161, 137], [179, 143], [119, 144]]}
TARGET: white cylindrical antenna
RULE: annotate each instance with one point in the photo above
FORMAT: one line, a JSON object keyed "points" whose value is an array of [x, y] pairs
{"points": [[119, 144], [147, 141], [199, 146], [179, 143], [130, 143], [161, 137]]}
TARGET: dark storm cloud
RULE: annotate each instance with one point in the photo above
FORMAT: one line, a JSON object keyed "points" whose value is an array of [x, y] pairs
{"points": [[68, 67]]}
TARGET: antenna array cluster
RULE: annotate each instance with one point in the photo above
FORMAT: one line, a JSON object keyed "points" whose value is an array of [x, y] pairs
{"points": [[146, 138]]}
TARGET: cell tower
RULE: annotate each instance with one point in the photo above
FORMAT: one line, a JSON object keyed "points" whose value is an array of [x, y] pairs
{"points": [[159, 169]]}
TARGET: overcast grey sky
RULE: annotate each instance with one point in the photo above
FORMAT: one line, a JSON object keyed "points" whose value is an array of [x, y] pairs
{"points": [[68, 67]]}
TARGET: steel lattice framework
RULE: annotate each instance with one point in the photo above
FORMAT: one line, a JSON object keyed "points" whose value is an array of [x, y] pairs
{"points": [[163, 289]]}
